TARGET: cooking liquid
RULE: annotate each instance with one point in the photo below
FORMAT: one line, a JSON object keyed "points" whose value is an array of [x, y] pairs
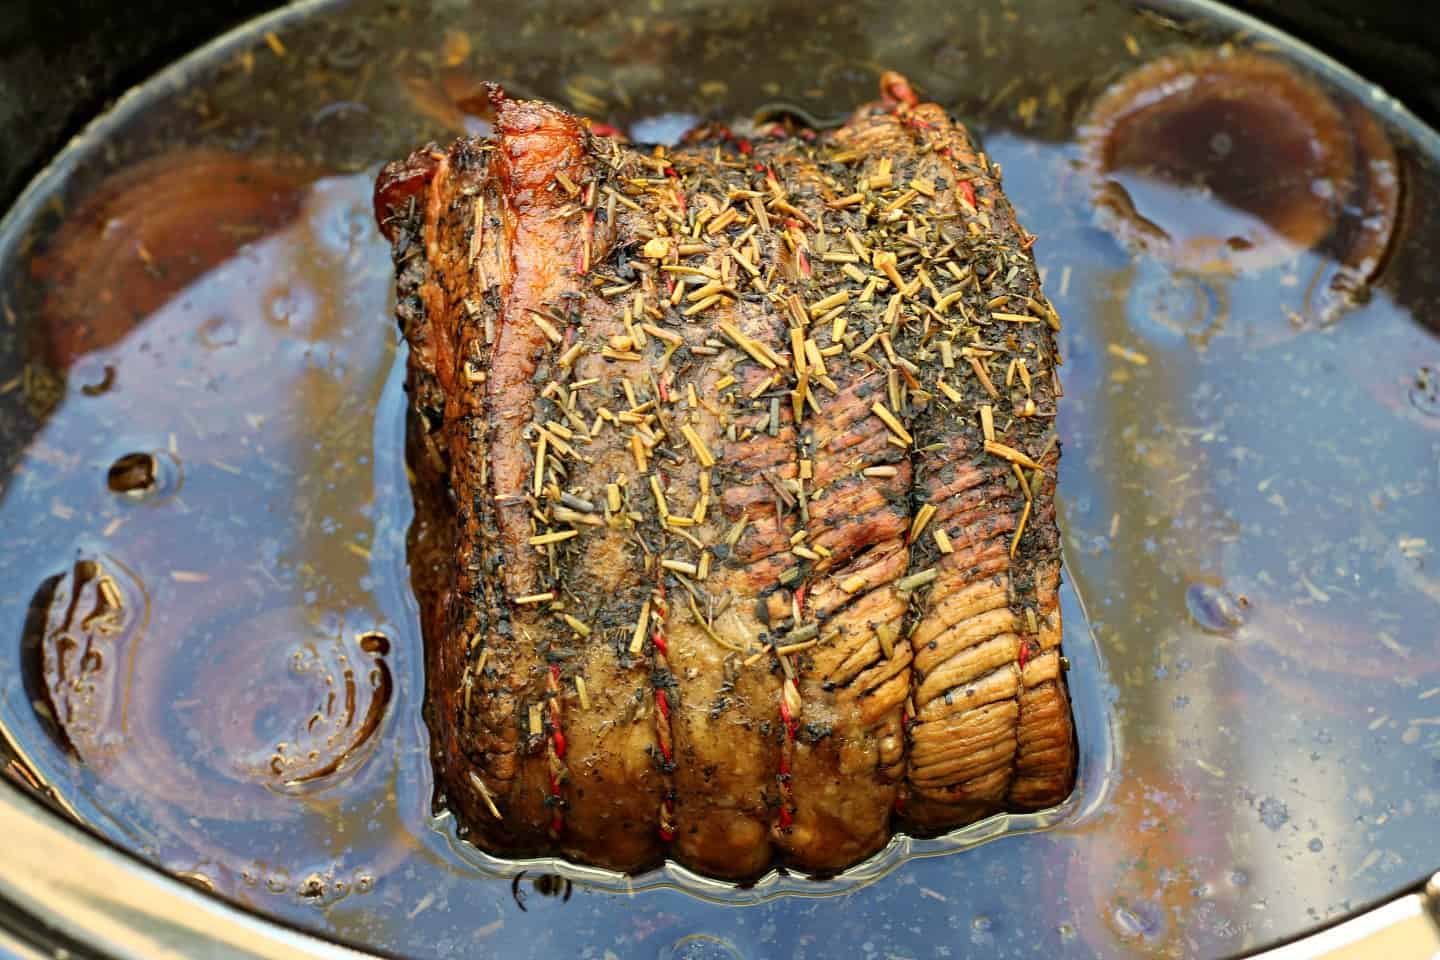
{"points": [[213, 655]]}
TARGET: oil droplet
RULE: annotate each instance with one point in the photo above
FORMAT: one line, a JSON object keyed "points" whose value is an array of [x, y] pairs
{"points": [[312, 887], [217, 333], [1215, 610], [1239, 877], [79, 627], [982, 930], [144, 475], [1316, 845], [133, 474], [374, 642], [1169, 306], [292, 307], [1425, 391], [1138, 920], [1273, 813]]}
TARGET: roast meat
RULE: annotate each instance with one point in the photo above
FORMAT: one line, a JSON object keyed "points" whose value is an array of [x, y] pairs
{"points": [[734, 470]]}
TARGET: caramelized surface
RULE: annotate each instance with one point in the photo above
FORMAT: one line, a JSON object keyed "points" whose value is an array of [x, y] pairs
{"points": [[716, 559]]}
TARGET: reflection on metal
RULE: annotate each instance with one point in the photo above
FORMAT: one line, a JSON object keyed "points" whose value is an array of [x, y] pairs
{"points": [[17, 766], [100, 900], [1407, 928], [14, 948], [58, 877]]}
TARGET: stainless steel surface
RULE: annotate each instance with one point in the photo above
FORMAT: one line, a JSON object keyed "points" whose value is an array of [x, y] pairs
{"points": [[113, 904], [118, 907], [1405, 928], [13, 947], [122, 907]]}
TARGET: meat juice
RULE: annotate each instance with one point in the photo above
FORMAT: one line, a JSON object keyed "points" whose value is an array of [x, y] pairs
{"points": [[214, 654]]}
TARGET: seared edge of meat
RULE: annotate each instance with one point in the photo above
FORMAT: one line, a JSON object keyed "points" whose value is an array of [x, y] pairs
{"points": [[989, 719]]}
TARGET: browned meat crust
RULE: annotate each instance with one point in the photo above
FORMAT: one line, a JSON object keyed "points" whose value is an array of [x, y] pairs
{"points": [[734, 470]]}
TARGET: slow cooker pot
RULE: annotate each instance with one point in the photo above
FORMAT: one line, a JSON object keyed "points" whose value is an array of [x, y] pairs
{"points": [[64, 891]]}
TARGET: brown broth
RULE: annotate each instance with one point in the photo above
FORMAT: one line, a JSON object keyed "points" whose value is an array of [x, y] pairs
{"points": [[200, 402]]}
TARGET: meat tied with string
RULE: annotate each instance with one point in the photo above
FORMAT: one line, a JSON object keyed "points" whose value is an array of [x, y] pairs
{"points": [[734, 469]]}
